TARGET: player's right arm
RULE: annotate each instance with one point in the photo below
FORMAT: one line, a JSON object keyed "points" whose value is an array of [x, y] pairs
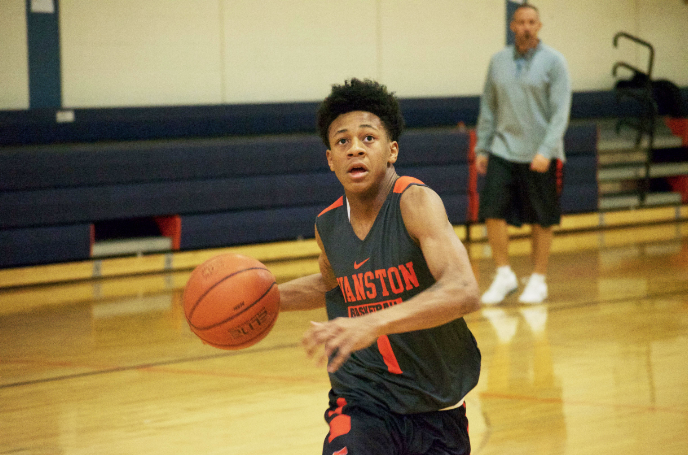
{"points": [[308, 292], [485, 128]]}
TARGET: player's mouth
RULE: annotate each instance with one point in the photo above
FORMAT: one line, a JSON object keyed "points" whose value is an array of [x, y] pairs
{"points": [[357, 170]]}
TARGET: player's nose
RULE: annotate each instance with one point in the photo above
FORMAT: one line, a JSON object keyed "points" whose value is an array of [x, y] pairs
{"points": [[357, 147]]}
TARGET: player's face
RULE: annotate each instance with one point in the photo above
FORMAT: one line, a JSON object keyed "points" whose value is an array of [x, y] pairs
{"points": [[360, 150], [525, 25]]}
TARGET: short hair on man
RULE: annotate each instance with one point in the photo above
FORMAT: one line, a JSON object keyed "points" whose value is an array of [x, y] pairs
{"points": [[360, 95], [525, 5]]}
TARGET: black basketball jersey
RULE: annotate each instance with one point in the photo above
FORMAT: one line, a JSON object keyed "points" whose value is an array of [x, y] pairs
{"points": [[420, 371]]}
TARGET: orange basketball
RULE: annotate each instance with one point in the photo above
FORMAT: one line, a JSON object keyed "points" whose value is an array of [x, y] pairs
{"points": [[231, 301]]}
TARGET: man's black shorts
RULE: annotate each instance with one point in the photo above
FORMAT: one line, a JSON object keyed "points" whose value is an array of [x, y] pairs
{"points": [[371, 430], [514, 193]]}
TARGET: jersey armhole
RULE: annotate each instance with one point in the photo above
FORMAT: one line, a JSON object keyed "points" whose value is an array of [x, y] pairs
{"points": [[404, 182]]}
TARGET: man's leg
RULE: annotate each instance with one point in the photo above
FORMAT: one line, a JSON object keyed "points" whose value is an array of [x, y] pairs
{"points": [[505, 281], [541, 242], [498, 237]]}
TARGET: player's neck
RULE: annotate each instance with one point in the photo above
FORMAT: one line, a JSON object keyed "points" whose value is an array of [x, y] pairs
{"points": [[363, 208]]}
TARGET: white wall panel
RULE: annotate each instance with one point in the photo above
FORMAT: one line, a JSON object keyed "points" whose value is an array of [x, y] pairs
{"points": [[140, 52], [439, 48], [583, 31], [14, 67], [194, 52], [294, 50], [664, 23]]}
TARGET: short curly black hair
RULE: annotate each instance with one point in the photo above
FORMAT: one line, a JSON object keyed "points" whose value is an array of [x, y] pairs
{"points": [[357, 95]]}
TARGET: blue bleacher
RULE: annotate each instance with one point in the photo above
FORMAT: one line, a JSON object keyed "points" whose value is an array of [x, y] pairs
{"points": [[226, 191]]}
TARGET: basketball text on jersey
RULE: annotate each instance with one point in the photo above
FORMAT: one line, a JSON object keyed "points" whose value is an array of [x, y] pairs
{"points": [[360, 310], [382, 282]]}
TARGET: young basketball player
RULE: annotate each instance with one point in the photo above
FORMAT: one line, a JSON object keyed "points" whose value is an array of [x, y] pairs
{"points": [[396, 282]]}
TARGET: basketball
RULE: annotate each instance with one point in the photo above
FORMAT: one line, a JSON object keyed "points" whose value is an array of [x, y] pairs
{"points": [[231, 301]]}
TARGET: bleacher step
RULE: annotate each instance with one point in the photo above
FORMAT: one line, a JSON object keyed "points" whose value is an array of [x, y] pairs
{"points": [[134, 246], [630, 201], [637, 171], [616, 157]]}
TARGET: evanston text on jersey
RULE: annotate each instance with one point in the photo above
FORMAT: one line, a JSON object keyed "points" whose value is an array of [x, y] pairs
{"points": [[379, 283]]}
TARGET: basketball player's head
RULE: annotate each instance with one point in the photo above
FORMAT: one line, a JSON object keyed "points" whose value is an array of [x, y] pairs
{"points": [[357, 95], [525, 23]]}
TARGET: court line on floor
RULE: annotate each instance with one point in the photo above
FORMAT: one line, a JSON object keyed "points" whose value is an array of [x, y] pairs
{"points": [[154, 365], [254, 377], [119, 369], [552, 306], [621, 406]]}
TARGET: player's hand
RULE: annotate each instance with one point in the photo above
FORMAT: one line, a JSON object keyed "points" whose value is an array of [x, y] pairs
{"points": [[339, 338], [481, 164], [539, 164]]}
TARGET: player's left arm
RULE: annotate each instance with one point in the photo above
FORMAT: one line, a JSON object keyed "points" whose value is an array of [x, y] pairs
{"points": [[454, 294], [559, 99]]}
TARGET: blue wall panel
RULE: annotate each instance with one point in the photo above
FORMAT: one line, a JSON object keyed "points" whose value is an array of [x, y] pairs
{"points": [[45, 79]]}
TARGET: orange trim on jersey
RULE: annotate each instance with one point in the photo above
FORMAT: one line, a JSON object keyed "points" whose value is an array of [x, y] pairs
{"points": [[340, 425], [338, 203], [403, 182], [385, 348], [341, 402]]}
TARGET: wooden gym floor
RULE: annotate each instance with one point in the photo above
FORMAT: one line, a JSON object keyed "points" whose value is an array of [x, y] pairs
{"points": [[108, 365]]}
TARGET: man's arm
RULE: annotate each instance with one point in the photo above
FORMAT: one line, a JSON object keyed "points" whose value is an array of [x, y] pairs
{"points": [[454, 294], [560, 107], [485, 128], [308, 292]]}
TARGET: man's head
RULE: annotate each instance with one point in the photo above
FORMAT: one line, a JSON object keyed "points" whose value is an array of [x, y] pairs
{"points": [[525, 23], [357, 95]]}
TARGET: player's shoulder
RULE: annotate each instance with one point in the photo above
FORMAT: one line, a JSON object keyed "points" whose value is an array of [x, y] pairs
{"points": [[405, 182], [339, 203], [415, 195], [422, 211]]}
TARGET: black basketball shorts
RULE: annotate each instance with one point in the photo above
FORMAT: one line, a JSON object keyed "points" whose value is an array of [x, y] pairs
{"points": [[370, 430], [514, 193]]}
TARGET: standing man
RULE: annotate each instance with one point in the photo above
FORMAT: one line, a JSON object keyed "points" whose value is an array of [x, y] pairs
{"points": [[396, 282], [524, 113]]}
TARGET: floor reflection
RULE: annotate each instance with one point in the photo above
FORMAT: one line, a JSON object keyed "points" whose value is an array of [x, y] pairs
{"points": [[110, 366]]}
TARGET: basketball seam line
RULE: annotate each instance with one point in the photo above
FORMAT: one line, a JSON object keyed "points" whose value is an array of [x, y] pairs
{"points": [[239, 313], [193, 308]]}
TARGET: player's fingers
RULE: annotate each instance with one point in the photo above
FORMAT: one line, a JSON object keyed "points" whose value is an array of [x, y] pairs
{"points": [[321, 359], [312, 339], [340, 356]]}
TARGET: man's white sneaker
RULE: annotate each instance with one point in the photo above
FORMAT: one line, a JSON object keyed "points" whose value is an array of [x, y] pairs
{"points": [[535, 291], [504, 283]]}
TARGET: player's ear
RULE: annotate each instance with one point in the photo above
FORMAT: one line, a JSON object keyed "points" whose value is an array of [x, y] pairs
{"points": [[329, 159], [393, 152]]}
